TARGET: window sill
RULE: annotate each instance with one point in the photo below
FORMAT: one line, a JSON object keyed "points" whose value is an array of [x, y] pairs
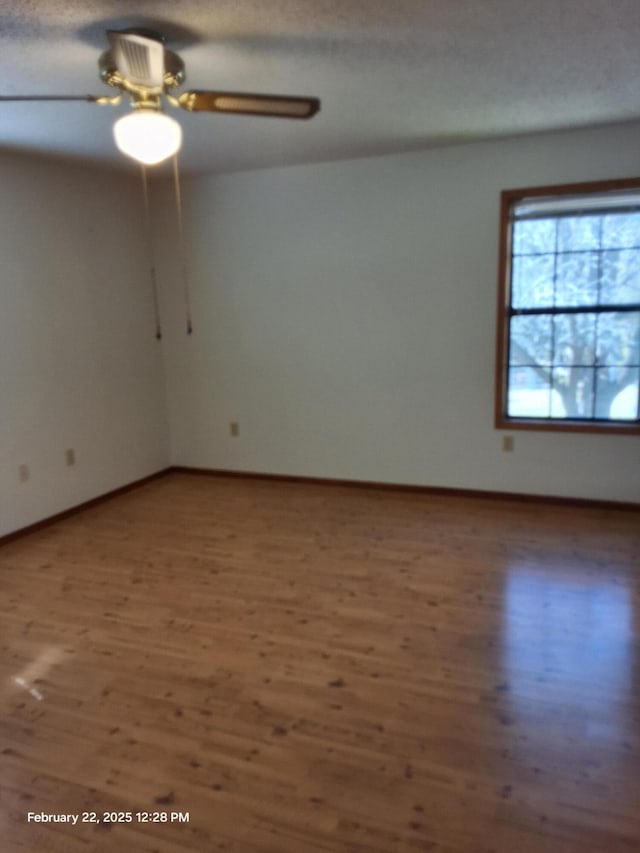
{"points": [[544, 425]]}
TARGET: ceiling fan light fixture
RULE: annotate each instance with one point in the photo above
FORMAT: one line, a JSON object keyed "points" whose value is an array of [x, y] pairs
{"points": [[148, 136]]}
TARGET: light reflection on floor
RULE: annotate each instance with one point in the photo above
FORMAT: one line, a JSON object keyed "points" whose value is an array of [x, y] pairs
{"points": [[36, 671], [568, 641]]}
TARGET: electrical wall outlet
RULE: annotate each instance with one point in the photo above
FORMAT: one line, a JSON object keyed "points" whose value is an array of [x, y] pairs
{"points": [[234, 428], [508, 443], [70, 456], [23, 473]]}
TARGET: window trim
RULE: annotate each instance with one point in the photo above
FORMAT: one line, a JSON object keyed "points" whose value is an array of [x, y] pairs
{"points": [[502, 422]]}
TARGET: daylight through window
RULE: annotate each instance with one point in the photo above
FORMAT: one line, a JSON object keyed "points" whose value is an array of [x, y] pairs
{"points": [[569, 336]]}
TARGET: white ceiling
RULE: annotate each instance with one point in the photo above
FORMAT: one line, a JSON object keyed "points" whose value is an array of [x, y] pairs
{"points": [[392, 76]]}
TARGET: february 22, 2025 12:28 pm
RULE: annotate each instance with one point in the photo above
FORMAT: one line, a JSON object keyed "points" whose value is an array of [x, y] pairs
{"points": [[109, 817]]}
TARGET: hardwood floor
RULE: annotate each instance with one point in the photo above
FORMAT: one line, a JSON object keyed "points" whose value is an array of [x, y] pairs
{"points": [[321, 668]]}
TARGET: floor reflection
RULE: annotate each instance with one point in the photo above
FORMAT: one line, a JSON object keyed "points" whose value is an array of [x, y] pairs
{"points": [[567, 638], [36, 671]]}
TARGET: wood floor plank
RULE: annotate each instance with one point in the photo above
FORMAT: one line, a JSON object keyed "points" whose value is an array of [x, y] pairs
{"points": [[305, 667]]}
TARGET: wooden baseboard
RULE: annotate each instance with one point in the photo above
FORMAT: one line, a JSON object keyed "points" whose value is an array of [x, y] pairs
{"points": [[442, 491], [74, 510]]}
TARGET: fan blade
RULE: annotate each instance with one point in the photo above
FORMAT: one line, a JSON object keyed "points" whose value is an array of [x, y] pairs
{"points": [[92, 99], [277, 106], [139, 58]]}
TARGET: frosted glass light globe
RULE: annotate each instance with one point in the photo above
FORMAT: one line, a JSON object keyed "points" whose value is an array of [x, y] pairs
{"points": [[147, 136]]}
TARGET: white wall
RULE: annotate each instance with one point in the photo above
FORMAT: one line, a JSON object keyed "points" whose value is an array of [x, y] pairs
{"points": [[345, 317], [79, 365]]}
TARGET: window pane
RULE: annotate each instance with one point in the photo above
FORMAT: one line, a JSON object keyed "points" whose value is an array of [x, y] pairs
{"points": [[620, 230], [620, 277], [530, 339], [577, 279], [619, 339], [575, 387], [574, 339], [529, 393], [578, 232], [532, 281], [534, 236], [624, 405]]}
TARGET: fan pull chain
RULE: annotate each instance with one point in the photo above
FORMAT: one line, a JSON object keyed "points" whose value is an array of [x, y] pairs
{"points": [[183, 253], [152, 266]]}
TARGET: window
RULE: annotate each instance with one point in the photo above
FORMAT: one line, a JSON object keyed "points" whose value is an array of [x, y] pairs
{"points": [[569, 308]]}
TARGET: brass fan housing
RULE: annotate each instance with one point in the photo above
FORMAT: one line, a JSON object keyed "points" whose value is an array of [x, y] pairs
{"points": [[174, 76]]}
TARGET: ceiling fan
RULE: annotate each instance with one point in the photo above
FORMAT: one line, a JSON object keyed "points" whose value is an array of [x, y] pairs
{"points": [[137, 64]]}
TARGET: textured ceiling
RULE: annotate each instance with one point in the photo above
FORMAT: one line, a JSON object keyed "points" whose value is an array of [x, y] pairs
{"points": [[392, 76]]}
